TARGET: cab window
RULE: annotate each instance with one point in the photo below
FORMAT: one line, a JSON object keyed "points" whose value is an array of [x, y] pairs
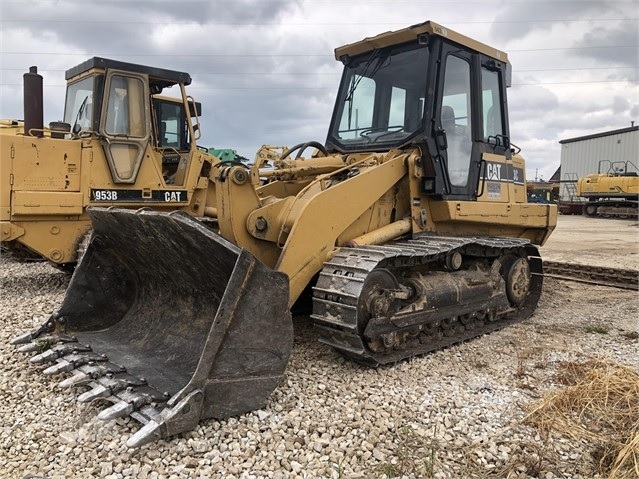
{"points": [[172, 127], [78, 108], [456, 119], [358, 116], [125, 124], [491, 104], [125, 108]]}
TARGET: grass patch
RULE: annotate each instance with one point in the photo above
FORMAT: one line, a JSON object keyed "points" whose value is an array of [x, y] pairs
{"points": [[597, 329], [530, 358], [600, 405], [338, 468], [480, 364], [416, 455], [596, 406]]}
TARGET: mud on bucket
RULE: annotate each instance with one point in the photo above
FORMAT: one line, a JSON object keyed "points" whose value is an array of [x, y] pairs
{"points": [[169, 321]]}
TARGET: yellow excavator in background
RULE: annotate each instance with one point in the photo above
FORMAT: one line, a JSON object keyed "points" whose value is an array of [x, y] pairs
{"points": [[613, 192], [121, 143], [408, 229]]}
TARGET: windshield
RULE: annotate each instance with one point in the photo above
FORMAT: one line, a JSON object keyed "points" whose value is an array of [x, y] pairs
{"points": [[78, 110], [381, 100]]}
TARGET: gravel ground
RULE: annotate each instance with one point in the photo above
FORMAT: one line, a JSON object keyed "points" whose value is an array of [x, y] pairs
{"points": [[610, 242], [454, 413]]}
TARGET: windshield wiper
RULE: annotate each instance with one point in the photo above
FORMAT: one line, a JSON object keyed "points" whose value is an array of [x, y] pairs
{"points": [[356, 81], [380, 64], [76, 123]]}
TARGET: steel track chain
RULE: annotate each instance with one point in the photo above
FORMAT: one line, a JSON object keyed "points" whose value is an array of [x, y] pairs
{"points": [[337, 293], [598, 275]]}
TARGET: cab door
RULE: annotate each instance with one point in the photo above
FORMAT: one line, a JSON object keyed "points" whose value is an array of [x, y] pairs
{"points": [[455, 122], [470, 119], [125, 123]]}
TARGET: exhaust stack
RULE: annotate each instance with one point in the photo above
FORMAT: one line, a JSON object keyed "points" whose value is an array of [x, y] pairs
{"points": [[33, 103]]}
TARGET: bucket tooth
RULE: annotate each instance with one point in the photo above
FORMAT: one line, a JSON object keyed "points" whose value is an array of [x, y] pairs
{"points": [[68, 347], [32, 335], [30, 347], [47, 356], [103, 388], [119, 409], [91, 371], [24, 338], [150, 432], [41, 343], [75, 380], [101, 369], [58, 351], [111, 385], [133, 398], [98, 391], [181, 417], [72, 361], [60, 367]]}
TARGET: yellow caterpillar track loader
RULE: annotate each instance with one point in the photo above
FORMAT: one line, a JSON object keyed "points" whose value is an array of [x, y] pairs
{"points": [[409, 228], [121, 143]]}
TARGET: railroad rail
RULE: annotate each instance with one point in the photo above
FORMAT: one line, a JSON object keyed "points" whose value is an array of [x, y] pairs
{"points": [[598, 275]]}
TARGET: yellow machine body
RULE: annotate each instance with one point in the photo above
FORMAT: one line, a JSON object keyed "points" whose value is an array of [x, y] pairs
{"points": [[408, 229], [49, 176], [613, 192]]}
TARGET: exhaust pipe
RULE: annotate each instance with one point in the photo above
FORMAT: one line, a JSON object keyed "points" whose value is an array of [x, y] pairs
{"points": [[33, 103]]}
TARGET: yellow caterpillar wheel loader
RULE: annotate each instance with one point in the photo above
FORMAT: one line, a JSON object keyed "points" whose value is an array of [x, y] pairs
{"points": [[121, 143], [613, 192], [409, 227]]}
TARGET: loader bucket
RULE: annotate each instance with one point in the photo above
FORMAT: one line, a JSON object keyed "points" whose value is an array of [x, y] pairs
{"points": [[169, 322]]}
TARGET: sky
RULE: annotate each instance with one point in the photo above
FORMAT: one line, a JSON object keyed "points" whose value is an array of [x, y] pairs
{"points": [[265, 72]]}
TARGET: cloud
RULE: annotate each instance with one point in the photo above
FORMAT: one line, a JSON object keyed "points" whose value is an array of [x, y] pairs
{"points": [[539, 17], [620, 105], [618, 46], [265, 73]]}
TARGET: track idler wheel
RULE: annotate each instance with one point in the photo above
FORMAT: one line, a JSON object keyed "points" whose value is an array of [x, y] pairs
{"points": [[590, 210], [518, 279], [523, 277]]}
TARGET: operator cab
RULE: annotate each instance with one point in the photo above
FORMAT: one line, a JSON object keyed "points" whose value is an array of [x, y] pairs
{"points": [[427, 87], [120, 103]]}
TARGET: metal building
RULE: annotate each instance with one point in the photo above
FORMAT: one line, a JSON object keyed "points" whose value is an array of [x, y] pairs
{"points": [[596, 153]]}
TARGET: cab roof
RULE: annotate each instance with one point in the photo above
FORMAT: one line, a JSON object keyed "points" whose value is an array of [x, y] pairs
{"points": [[411, 34], [158, 76]]}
